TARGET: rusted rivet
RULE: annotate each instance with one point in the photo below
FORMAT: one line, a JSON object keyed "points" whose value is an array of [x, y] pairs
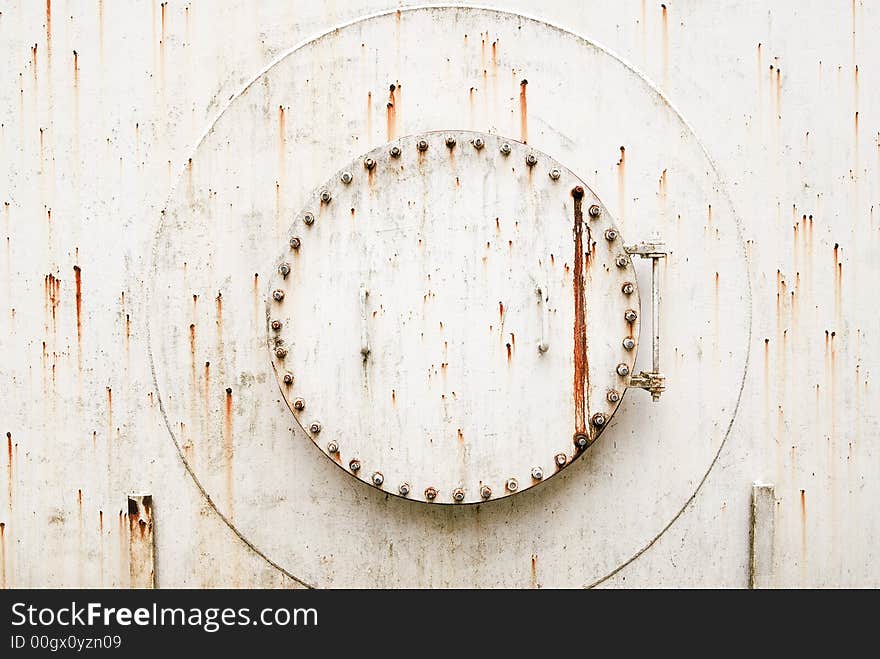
{"points": [[511, 484], [430, 493], [395, 152], [404, 489], [422, 145], [346, 178], [622, 260], [458, 495], [355, 465], [275, 324], [613, 396], [288, 378], [610, 235], [295, 242], [531, 160], [309, 219], [599, 419], [555, 174], [278, 295], [479, 144], [630, 315], [284, 269], [280, 352], [577, 192], [299, 404], [627, 288], [369, 163], [581, 440], [595, 211], [485, 492], [377, 478], [332, 447], [504, 149], [629, 343], [326, 196], [315, 427], [450, 141], [622, 370], [560, 459], [537, 473]]}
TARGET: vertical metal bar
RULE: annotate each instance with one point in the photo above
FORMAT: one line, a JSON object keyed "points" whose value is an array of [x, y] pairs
{"points": [[655, 319], [141, 546], [762, 530]]}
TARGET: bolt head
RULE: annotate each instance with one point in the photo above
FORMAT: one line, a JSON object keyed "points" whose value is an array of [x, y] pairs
{"points": [[560, 459], [326, 196], [599, 420], [395, 152], [280, 352], [276, 325], [458, 495], [355, 465], [288, 378], [581, 440], [628, 288], [404, 489], [309, 219], [422, 145], [377, 478], [537, 473], [299, 404], [479, 144], [346, 178], [430, 493], [610, 235], [332, 447], [555, 174], [315, 427], [504, 149], [622, 370], [622, 261], [630, 315], [450, 141], [511, 484], [278, 295], [369, 163], [284, 269], [595, 211], [531, 160], [485, 492], [295, 242], [629, 343], [613, 396]]}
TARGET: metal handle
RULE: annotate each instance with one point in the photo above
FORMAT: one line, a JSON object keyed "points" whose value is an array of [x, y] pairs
{"points": [[655, 381], [365, 337], [543, 299]]}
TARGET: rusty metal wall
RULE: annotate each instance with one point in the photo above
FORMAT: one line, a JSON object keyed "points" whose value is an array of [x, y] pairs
{"points": [[146, 440]]}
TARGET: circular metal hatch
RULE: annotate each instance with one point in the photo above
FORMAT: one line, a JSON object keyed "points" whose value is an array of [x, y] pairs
{"points": [[454, 317]]}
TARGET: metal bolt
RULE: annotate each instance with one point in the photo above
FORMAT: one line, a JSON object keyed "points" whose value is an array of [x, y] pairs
{"points": [[295, 242], [309, 219], [276, 325], [504, 149], [627, 288], [326, 196], [288, 378], [613, 396], [622, 261], [630, 315], [278, 295], [512, 485], [431, 493], [404, 489], [599, 419], [577, 192], [422, 145], [355, 465], [299, 404], [377, 478], [629, 343], [479, 144], [332, 447], [537, 473], [450, 141], [395, 152], [485, 492], [284, 269], [315, 427], [610, 235], [555, 174], [560, 459], [622, 370], [280, 352], [531, 160], [595, 211], [369, 163], [581, 440], [458, 495], [345, 178]]}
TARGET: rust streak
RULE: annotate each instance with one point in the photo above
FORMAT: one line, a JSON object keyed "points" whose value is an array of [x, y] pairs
{"points": [[9, 470], [77, 276], [523, 112], [391, 113], [3, 582], [580, 325], [228, 448]]}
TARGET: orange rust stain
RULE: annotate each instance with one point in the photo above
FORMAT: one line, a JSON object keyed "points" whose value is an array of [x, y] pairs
{"points": [[509, 352], [9, 469], [163, 22], [75, 70], [228, 454], [393, 397], [523, 112], [3, 583], [621, 184], [665, 43], [460, 436], [391, 113], [534, 570], [77, 277], [48, 31], [581, 367], [34, 61]]}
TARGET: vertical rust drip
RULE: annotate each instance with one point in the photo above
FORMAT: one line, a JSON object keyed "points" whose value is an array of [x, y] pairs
{"points": [[523, 112], [77, 276], [580, 324], [141, 547]]}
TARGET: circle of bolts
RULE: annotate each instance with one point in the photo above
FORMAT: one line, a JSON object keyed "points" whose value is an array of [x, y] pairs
{"points": [[629, 343], [403, 488], [299, 404], [288, 378], [346, 178], [332, 447], [278, 295], [369, 163], [504, 149], [630, 315], [450, 141], [560, 459], [295, 242], [276, 324], [309, 219], [395, 152], [599, 419], [595, 211], [430, 493], [479, 144], [610, 235], [354, 465], [555, 174], [581, 440], [622, 370], [315, 427], [621, 260], [531, 160], [485, 492], [422, 145], [280, 352], [627, 288], [284, 269], [511, 485], [377, 478], [326, 196], [613, 396], [537, 473], [458, 495]]}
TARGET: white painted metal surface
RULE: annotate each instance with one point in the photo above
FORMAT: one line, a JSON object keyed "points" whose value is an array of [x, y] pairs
{"points": [[134, 341]]}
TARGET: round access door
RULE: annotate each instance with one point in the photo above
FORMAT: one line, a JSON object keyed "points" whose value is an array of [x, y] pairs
{"points": [[454, 317]]}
